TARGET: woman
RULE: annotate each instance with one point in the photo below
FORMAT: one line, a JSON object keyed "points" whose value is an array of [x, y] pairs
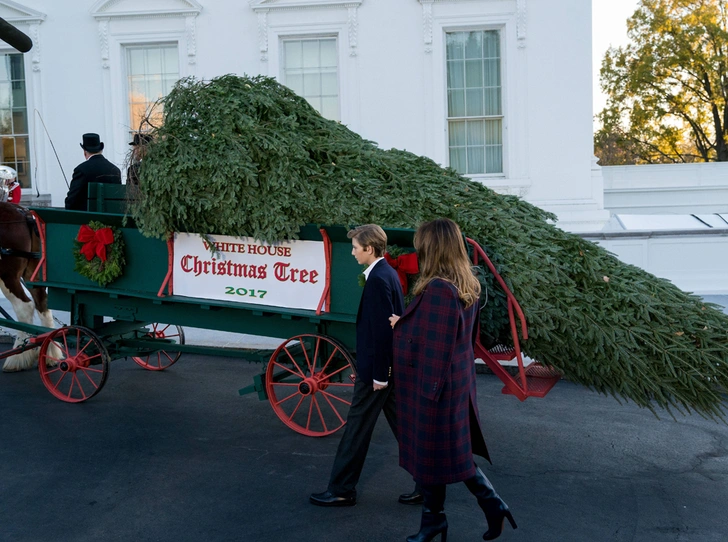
{"points": [[434, 378]]}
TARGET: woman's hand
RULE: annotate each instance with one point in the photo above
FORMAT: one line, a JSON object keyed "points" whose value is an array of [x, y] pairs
{"points": [[393, 320]]}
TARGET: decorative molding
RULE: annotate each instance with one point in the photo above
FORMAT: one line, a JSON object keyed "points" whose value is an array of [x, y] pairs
{"points": [[287, 5], [427, 24], [191, 28], [35, 37], [104, 42], [24, 13], [521, 23], [263, 34], [353, 27], [102, 10], [263, 7]]}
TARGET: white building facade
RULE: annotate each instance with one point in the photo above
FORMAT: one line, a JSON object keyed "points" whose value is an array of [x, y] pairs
{"points": [[498, 89]]}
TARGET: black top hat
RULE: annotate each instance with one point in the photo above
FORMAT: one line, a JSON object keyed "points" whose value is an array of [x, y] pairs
{"points": [[92, 143], [141, 139]]}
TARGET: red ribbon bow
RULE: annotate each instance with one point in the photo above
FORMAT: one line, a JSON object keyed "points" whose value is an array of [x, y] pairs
{"points": [[95, 242], [406, 264]]}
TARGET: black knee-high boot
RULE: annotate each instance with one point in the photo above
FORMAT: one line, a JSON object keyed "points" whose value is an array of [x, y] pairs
{"points": [[496, 511], [433, 520]]}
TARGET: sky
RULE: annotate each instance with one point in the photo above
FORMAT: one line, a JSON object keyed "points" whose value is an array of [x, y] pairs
{"points": [[609, 28]]}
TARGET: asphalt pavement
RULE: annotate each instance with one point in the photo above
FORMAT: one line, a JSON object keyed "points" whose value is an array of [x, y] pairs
{"points": [[180, 456]]}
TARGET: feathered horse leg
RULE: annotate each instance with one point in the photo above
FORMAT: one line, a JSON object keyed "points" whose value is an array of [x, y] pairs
{"points": [[24, 309]]}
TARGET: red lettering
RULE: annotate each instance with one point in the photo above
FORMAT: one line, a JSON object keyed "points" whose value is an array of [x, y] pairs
{"points": [[280, 271], [312, 277]]}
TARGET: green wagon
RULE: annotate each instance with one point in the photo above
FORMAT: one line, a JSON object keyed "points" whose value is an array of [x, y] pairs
{"points": [[308, 379]]}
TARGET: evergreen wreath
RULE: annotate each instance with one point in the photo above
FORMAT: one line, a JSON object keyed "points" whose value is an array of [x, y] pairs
{"points": [[99, 252]]}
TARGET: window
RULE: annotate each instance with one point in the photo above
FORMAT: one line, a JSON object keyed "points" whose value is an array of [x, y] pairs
{"points": [[310, 69], [14, 117], [474, 105], [152, 71]]}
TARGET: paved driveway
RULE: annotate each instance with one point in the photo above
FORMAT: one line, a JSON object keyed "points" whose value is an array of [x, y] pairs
{"points": [[179, 456]]}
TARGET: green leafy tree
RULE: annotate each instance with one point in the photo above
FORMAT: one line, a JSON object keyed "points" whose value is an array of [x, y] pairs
{"points": [[667, 90]]}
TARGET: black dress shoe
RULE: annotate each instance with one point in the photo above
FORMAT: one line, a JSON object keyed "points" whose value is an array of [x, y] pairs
{"points": [[416, 497], [329, 499]]}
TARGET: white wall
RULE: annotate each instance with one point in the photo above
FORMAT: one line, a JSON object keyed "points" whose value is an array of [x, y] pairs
{"points": [[666, 188], [392, 76]]}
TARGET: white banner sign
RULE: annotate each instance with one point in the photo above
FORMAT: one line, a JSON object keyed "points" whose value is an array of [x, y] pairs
{"points": [[287, 274]]}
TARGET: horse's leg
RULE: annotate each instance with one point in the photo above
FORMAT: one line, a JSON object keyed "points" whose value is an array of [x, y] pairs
{"points": [[13, 290], [40, 296]]}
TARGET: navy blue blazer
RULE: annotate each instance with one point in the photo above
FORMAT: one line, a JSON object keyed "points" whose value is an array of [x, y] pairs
{"points": [[382, 297], [96, 169]]}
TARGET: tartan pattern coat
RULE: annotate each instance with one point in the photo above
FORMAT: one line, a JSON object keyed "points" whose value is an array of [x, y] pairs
{"points": [[434, 378]]}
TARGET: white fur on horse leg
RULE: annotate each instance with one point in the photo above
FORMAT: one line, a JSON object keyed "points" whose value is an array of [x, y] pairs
{"points": [[53, 352], [24, 313], [22, 361]]}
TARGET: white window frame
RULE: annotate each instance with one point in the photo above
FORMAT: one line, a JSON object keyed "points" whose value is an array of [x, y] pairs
{"points": [[502, 115], [125, 71], [303, 37], [33, 161], [515, 177]]}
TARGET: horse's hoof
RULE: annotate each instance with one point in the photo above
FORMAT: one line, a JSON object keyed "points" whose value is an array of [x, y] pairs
{"points": [[11, 369]]}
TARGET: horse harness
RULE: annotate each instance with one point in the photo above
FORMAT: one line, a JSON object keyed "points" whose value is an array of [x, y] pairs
{"points": [[21, 253]]}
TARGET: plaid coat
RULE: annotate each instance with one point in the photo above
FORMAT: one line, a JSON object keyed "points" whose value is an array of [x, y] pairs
{"points": [[434, 378]]}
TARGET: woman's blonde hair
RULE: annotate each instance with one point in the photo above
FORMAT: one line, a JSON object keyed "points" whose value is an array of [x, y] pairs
{"points": [[441, 254]]}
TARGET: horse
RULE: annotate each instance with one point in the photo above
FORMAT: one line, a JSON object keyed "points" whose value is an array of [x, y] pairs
{"points": [[19, 250]]}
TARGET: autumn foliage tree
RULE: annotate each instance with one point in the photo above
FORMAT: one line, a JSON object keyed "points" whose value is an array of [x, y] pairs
{"points": [[667, 90]]}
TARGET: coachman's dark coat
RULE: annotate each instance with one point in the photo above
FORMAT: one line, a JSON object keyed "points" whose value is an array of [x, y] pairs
{"points": [[434, 377], [96, 169]]}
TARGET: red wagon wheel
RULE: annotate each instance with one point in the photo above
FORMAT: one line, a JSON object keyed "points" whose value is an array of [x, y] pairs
{"points": [[73, 364], [160, 360], [309, 382]]}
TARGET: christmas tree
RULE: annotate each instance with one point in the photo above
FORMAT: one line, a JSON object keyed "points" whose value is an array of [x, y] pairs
{"points": [[246, 156]]}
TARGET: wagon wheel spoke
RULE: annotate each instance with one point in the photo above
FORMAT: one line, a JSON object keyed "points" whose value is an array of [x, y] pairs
{"points": [[83, 352], [161, 359], [328, 402], [293, 360]]}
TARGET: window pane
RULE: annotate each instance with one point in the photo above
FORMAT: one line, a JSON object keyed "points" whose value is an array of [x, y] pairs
{"points": [[315, 102], [457, 159], [330, 107], [492, 73], [293, 54], [5, 96], [456, 103], [474, 45], [154, 88], [8, 145], [493, 132], [171, 61], [457, 134], [476, 133], [295, 83], [494, 159], [312, 84], [311, 54], [154, 60], [492, 101], [310, 69], [18, 93], [473, 73], [476, 160], [455, 74], [6, 121], [136, 62], [328, 53], [474, 102], [456, 45], [152, 72], [20, 121], [491, 44], [329, 84]]}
